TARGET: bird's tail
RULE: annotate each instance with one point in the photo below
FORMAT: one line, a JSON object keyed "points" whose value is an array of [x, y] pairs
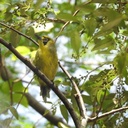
{"points": [[45, 92]]}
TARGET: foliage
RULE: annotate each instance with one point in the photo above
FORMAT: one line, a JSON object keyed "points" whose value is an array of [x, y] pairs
{"points": [[95, 52]]}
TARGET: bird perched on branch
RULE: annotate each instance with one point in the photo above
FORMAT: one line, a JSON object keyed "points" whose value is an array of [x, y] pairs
{"points": [[46, 61]]}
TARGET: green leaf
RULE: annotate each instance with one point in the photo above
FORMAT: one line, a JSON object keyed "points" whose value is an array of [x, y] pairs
{"points": [[14, 38], [38, 3], [23, 50], [67, 17], [108, 102], [106, 13], [4, 102], [99, 95], [18, 87], [90, 25], [87, 99], [30, 32], [112, 24], [14, 112], [20, 99], [103, 44], [73, 100], [99, 82], [58, 81], [121, 61], [61, 125], [75, 41], [5, 88], [109, 26], [86, 8], [64, 112]]}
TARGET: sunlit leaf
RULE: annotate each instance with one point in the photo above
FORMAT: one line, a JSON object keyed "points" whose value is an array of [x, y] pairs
{"points": [[61, 125], [23, 50]]}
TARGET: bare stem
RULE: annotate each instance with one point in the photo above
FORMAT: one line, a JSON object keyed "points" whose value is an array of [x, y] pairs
{"points": [[78, 96]]}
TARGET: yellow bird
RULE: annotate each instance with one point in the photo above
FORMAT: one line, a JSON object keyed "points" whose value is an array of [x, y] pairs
{"points": [[46, 61]]}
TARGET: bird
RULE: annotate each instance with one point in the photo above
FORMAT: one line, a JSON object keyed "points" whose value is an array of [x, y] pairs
{"points": [[46, 60]]}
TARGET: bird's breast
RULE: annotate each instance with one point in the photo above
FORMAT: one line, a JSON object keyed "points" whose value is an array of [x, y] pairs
{"points": [[48, 62]]}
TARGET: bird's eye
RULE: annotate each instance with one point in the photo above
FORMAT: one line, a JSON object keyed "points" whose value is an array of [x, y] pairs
{"points": [[45, 40]]}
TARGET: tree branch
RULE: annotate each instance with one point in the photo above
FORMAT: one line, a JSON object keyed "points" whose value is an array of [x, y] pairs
{"points": [[78, 97], [42, 110], [46, 80], [107, 113]]}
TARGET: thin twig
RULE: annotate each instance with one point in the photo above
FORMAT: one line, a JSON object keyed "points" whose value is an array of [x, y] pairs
{"points": [[78, 96], [107, 113]]}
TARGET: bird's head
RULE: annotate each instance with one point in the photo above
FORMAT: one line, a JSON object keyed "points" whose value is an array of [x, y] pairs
{"points": [[45, 41]]}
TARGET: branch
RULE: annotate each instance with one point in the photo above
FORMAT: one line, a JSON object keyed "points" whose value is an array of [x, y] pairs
{"points": [[42, 110], [29, 38], [107, 113], [46, 80], [78, 97]]}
